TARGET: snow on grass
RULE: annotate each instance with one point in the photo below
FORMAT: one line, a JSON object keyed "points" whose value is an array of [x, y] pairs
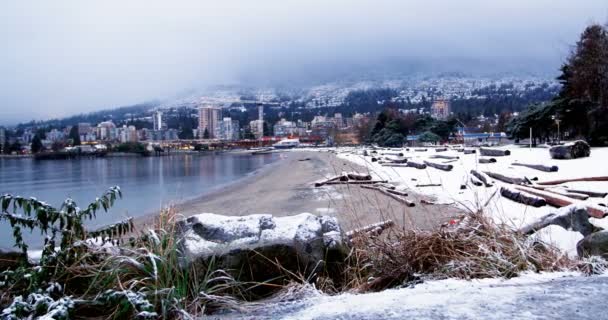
{"points": [[501, 209]]}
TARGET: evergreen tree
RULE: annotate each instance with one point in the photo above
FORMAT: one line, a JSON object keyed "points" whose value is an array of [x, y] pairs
{"points": [[75, 136], [206, 134], [37, 144]]}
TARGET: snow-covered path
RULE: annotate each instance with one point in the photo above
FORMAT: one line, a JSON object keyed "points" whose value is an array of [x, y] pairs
{"points": [[531, 296]]}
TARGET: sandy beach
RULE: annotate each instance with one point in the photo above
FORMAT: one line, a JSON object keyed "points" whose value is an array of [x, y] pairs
{"points": [[286, 187]]}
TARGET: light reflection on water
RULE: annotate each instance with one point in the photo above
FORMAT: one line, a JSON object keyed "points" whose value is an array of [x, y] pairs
{"points": [[148, 184]]}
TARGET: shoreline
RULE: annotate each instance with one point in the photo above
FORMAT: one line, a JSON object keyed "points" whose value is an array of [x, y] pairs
{"points": [[285, 187]]}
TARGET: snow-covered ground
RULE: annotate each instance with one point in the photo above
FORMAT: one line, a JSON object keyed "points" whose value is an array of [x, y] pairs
{"points": [[558, 295], [473, 197]]}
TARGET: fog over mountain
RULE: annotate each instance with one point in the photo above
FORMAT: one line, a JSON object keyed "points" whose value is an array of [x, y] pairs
{"points": [[65, 57]]}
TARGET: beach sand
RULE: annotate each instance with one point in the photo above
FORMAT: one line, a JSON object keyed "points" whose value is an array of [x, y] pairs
{"points": [[286, 188]]}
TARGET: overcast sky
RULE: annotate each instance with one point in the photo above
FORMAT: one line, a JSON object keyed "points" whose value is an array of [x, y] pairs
{"points": [[63, 57]]}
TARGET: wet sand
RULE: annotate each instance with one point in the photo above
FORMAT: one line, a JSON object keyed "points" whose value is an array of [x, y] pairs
{"points": [[286, 187]]}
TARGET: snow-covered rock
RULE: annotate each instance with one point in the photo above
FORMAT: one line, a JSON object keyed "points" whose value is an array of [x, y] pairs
{"points": [[572, 150], [595, 244], [297, 241]]}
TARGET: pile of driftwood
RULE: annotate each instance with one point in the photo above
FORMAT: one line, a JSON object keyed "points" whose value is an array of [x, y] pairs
{"points": [[348, 178], [390, 191], [539, 194]]}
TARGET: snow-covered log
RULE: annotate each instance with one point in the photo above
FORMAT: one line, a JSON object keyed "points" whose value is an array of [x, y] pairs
{"points": [[422, 185], [476, 181], [522, 197], [494, 152], [259, 240], [441, 149], [392, 195], [416, 165], [469, 151], [444, 167], [572, 150], [555, 182], [487, 160], [540, 167], [374, 229], [356, 182], [321, 182], [356, 176], [505, 178], [420, 150], [559, 201], [593, 194], [482, 177], [442, 156], [572, 217]]}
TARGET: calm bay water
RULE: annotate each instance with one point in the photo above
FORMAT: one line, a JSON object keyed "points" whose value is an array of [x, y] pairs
{"points": [[147, 184]]}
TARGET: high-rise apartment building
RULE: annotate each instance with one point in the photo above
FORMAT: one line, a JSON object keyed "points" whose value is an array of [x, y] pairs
{"points": [[208, 122], [157, 120]]}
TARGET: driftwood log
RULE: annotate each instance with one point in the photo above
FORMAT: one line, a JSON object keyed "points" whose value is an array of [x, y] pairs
{"points": [[540, 167], [487, 160], [420, 150], [398, 154], [391, 164], [393, 160], [469, 151], [563, 192], [593, 194], [522, 197], [444, 167], [442, 156], [395, 196], [355, 176], [357, 182], [321, 182], [559, 201], [493, 152], [476, 181], [428, 185], [441, 149], [572, 217], [482, 177], [573, 150], [416, 165], [555, 182], [505, 178], [374, 229]]}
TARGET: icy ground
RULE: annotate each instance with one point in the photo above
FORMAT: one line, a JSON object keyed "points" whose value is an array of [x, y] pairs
{"points": [[530, 296], [503, 210]]}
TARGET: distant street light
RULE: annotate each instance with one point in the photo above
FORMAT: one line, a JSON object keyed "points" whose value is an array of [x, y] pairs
{"points": [[557, 121]]}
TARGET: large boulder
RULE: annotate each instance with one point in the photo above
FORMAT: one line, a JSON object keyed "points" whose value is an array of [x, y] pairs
{"points": [[572, 150], [595, 244], [257, 244]]}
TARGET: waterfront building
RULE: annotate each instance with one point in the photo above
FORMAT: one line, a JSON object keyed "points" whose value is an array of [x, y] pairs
{"points": [[208, 120], [228, 129], [106, 131], [2, 136], [285, 128], [440, 109], [171, 134], [257, 128]]}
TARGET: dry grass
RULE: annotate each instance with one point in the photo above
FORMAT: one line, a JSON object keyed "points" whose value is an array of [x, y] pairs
{"points": [[473, 247]]}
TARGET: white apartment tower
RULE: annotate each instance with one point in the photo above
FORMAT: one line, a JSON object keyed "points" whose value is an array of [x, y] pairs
{"points": [[261, 120], [208, 121], [157, 120]]}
